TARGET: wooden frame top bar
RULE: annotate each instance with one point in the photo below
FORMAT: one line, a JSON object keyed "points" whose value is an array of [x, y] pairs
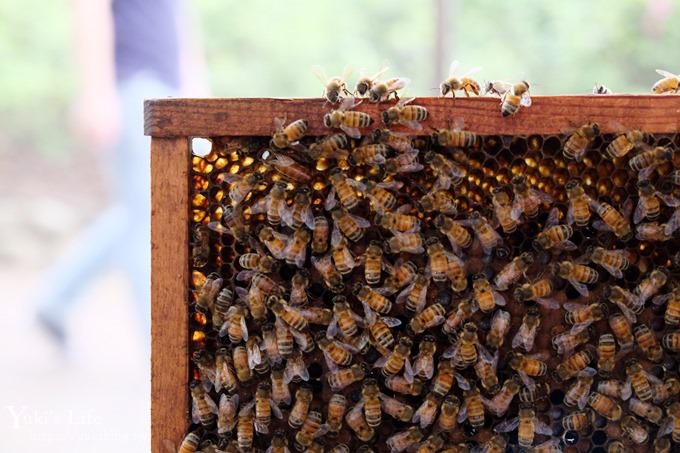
{"points": [[548, 115]]}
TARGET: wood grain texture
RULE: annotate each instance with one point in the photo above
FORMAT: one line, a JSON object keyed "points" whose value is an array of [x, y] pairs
{"points": [[169, 283], [547, 115]]}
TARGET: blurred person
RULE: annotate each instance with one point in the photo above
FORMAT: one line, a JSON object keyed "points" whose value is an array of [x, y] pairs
{"points": [[126, 51]]}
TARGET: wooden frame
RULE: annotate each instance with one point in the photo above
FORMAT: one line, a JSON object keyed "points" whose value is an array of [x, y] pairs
{"points": [[172, 122]]}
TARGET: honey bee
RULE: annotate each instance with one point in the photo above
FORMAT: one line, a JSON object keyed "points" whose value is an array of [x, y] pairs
{"points": [[443, 380], [502, 206], [225, 375], [399, 223], [649, 202], [662, 445], [516, 96], [628, 303], [578, 420], [403, 163], [280, 390], [669, 84], [365, 82], [245, 431], [330, 275], [235, 324], [240, 185], [433, 444], [344, 319], [205, 363], [205, 298], [337, 405], [605, 406], [227, 413], [448, 413], [373, 299], [484, 295], [232, 217], [397, 360], [464, 310], [527, 366], [463, 83], [500, 403], [614, 261], [304, 340], [257, 358], [576, 274], [458, 237], [290, 135], [639, 380], [437, 259], [200, 252], [526, 335], [404, 243], [276, 242], [430, 317], [320, 234], [395, 408], [333, 146], [654, 232], [335, 352], [672, 424], [497, 87], [539, 392], [349, 121], [334, 87], [349, 225], [500, 326], [455, 272], [300, 213], [567, 341], [300, 409], [399, 276], [485, 369], [580, 140], [579, 204], [189, 444], [279, 443], [311, 429], [456, 137], [317, 315], [648, 343], [264, 407], [573, 364], [423, 364], [646, 162], [343, 377], [581, 316], [464, 351], [372, 154], [381, 91], [634, 430], [383, 201], [284, 339], [357, 423], [379, 329], [401, 143], [487, 236], [527, 424], [651, 285], [404, 440], [342, 257], [672, 313], [606, 354], [257, 262], [288, 167], [472, 408], [646, 410], [426, 414], [373, 263], [625, 143], [296, 369], [668, 389], [495, 444], [601, 89], [204, 408], [298, 288], [446, 171], [440, 200], [399, 384], [616, 447], [240, 357], [615, 388], [537, 291], [621, 329], [289, 315], [407, 115], [577, 394], [371, 402], [671, 341], [527, 199]]}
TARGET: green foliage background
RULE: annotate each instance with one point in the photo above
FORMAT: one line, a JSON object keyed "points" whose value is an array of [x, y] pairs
{"points": [[266, 48]]}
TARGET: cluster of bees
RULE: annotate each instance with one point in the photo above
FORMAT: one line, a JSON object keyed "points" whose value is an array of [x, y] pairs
{"points": [[346, 298]]}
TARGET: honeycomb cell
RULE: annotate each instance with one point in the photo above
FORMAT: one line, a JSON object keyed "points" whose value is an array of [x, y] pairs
{"points": [[552, 146], [619, 178], [493, 144]]}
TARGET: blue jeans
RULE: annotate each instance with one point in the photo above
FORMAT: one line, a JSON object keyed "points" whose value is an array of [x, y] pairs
{"points": [[122, 233]]}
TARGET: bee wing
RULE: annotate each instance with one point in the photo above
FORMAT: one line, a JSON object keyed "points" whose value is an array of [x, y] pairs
{"points": [[665, 73], [669, 200], [398, 83], [415, 125], [380, 73], [351, 131], [331, 201], [612, 270], [453, 67], [525, 100], [471, 71], [320, 74], [522, 333], [527, 380], [462, 413], [228, 177], [541, 427], [278, 123], [507, 425], [244, 328], [380, 362], [661, 299], [363, 223], [348, 103], [673, 223], [500, 86], [332, 329], [287, 216], [498, 298], [391, 322], [580, 287], [640, 212], [666, 427], [549, 303], [308, 218], [403, 295], [403, 102], [408, 371], [336, 236], [463, 383], [194, 412], [646, 172], [627, 313], [218, 227]]}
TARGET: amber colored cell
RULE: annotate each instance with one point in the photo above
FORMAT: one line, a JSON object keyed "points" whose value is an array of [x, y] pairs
{"points": [[199, 200], [503, 176], [604, 186], [493, 144], [619, 195], [197, 215], [463, 204], [476, 160], [319, 186], [475, 177], [201, 165], [247, 161], [317, 201], [199, 318], [462, 189], [518, 166], [605, 168], [217, 213], [545, 184], [323, 164], [221, 163], [197, 279], [212, 155], [476, 195], [590, 177], [198, 339], [488, 184], [199, 183], [545, 167], [619, 178], [535, 142]]}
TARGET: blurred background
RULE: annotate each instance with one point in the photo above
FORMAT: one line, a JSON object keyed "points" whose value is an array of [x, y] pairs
{"points": [[79, 379]]}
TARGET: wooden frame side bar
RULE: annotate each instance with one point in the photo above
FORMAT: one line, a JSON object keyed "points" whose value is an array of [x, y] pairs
{"points": [[170, 160], [547, 115]]}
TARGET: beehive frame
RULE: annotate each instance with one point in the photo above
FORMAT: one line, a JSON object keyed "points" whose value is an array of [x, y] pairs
{"points": [[172, 123]]}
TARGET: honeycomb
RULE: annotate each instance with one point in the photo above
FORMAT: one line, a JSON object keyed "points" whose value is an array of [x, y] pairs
{"points": [[491, 163]]}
